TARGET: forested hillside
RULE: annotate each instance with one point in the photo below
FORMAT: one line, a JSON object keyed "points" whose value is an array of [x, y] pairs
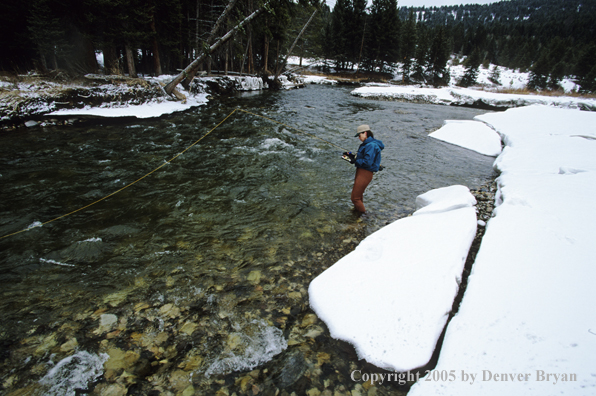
{"points": [[550, 38]]}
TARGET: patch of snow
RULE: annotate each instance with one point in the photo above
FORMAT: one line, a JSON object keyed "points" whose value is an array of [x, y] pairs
{"points": [[473, 135], [444, 199], [391, 296], [310, 79], [147, 110], [468, 96], [527, 314]]}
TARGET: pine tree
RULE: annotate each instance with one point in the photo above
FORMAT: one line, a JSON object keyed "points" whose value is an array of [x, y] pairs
{"points": [[495, 75], [48, 33], [585, 69], [471, 74], [340, 18], [421, 62], [408, 46], [383, 41], [438, 57], [539, 72]]}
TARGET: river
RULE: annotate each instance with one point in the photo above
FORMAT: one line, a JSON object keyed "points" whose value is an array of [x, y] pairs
{"points": [[195, 278]]}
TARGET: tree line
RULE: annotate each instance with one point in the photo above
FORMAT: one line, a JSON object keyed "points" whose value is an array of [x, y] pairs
{"points": [[551, 39], [147, 37]]}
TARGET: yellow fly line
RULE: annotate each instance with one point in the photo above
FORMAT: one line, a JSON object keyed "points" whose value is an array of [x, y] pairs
{"points": [[164, 164]]}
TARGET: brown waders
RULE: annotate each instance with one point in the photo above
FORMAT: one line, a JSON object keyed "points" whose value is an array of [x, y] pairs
{"points": [[361, 181]]}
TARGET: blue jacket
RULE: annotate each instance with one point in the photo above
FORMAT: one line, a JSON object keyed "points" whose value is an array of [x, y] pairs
{"points": [[369, 154]]}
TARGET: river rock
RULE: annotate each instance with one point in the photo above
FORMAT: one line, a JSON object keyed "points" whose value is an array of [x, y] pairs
{"points": [[86, 252], [254, 276], [170, 310], [69, 345], [188, 328], [111, 390], [46, 345], [106, 323], [115, 299], [308, 320], [292, 368]]}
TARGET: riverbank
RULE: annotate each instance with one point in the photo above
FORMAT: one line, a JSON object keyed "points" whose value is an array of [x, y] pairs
{"points": [[230, 234], [511, 333], [33, 100]]}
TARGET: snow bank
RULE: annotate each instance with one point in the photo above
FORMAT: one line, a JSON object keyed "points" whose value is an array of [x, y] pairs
{"points": [[146, 110], [468, 96], [444, 199], [310, 79], [472, 135], [157, 108], [526, 325], [391, 296]]}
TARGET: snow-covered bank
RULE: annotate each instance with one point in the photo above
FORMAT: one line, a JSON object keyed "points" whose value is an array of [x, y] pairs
{"points": [[472, 135], [400, 282], [468, 97], [161, 106], [26, 99], [526, 324], [528, 309]]}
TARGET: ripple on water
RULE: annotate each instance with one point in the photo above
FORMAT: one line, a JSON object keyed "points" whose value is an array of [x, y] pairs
{"points": [[205, 263]]}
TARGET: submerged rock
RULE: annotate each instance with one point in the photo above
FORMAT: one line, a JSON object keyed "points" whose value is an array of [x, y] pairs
{"points": [[291, 369]]}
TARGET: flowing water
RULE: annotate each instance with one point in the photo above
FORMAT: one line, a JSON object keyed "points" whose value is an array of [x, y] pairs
{"points": [[195, 278]]}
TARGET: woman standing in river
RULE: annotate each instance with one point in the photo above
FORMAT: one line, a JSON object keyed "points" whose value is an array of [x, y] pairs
{"points": [[367, 161]]}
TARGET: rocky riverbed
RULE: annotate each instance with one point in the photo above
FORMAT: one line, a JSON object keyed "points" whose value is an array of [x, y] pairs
{"points": [[131, 342], [172, 326]]}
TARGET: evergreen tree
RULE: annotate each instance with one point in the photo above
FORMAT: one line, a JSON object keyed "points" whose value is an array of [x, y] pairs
{"points": [[408, 46], [495, 75], [327, 45], [340, 18], [438, 57], [48, 33], [17, 50], [585, 69], [383, 42], [421, 61], [557, 56], [539, 73], [355, 35], [472, 64]]}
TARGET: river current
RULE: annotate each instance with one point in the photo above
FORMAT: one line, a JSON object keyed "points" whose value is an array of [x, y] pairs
{"points": [[194, 280]]}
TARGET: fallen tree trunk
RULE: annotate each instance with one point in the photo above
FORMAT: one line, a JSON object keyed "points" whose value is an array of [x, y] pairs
{"points": [[169, 88], [188, 79], [283, 65]]}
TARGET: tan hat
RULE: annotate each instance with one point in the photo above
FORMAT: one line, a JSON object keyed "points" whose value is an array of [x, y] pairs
{"points": [[362, 128]]}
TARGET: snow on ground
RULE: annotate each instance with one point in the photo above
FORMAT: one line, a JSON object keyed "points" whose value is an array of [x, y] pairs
{"points": [[528, 312], [310, 79], [526, 325], [146, 110], [391, 296], [473, 135], [160, 107], [508, 79], [467, 96]]}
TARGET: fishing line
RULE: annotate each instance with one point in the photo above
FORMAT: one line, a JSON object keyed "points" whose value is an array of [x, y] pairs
{"points": [[164, 164]]}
